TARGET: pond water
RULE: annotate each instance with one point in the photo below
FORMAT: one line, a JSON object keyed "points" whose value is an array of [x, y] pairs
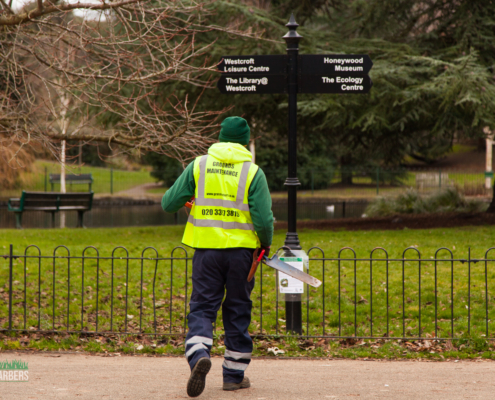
{"points": [[153, 215]]}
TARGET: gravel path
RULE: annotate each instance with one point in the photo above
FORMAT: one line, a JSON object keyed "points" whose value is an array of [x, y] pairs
{"points": [[81, 376], [140, 191]]}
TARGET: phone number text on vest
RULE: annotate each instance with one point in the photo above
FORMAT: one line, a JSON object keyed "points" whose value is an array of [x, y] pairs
{"points": [[219, 211]]}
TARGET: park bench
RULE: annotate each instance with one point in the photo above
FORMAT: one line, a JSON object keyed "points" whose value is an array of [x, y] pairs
{"points": [[72, 179], [51, 202], [426, 180]]}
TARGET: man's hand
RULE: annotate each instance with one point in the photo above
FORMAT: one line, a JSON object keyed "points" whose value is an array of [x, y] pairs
{"points": [[267, 250]]}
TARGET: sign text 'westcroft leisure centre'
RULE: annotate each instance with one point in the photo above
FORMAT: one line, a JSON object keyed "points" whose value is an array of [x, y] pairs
{"points": [[331, 73], [273, 65]]}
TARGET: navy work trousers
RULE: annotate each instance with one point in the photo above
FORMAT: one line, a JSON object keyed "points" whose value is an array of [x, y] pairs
{"points": [[214, 272]]}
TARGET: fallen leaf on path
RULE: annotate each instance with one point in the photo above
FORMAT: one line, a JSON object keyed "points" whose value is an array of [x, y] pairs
{"points": [[275, 350]]}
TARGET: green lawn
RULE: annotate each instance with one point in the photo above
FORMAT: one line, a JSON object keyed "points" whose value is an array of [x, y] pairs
{"points": [[348, 192], [158, 191], [170, 303], [122, 180], [470, 184]]}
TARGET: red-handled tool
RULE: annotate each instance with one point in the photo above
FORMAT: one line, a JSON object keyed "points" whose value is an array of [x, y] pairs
{"points": [[256, 261], [190, 203]]}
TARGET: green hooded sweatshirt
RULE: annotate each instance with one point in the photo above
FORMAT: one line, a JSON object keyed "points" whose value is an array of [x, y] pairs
{"points": [[259, 199]]}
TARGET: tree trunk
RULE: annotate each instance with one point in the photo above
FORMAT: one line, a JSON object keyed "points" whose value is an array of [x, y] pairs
{"points": [[62, 180], [79, 161], [491, 207], [346, 170], [252, 149], [64, 100], [489, 181]]}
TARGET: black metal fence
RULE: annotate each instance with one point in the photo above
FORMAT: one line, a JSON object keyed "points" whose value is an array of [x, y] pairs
{"points": [[379, 296], [337, 182]]}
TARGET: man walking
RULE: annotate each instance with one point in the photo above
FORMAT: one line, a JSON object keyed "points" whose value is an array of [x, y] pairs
{"points": [[230, 218]]}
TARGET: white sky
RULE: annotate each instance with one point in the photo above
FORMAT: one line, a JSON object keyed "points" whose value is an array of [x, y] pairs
{"points": [[16, 4]]}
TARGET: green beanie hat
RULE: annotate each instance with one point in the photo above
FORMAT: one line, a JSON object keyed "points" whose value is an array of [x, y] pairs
{"points": [[235, 130]]}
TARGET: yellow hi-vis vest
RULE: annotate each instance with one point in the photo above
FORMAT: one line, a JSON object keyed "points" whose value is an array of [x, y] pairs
{"points": [[220, 217]]}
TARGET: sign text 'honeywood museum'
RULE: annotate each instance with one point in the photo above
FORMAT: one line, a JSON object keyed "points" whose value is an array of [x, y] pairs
{"points": [[334, 73]]}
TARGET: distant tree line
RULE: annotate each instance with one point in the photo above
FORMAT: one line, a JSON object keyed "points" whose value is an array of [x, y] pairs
{"points": [[141, 79], [433, 80]]}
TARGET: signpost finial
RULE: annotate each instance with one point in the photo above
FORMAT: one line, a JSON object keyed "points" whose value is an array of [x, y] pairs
{"points": [[292, 24], [292, 37]]}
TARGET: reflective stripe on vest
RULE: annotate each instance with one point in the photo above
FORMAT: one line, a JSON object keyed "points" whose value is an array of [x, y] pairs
{"points": [[237, 204], [210, 223], [220, 216]]}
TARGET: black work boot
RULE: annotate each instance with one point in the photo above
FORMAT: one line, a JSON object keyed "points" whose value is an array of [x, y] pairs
{"points": [[196, 382], [234, 386]]}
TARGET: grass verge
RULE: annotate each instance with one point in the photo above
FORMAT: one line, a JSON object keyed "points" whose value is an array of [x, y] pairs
{"points": [[461, 349]]}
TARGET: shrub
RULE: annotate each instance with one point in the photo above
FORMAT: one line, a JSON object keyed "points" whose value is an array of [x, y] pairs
{"points": [[411, 202], [13, 160]]}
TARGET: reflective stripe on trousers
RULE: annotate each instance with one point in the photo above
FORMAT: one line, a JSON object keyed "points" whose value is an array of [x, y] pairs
{"points": [[196, 343], [235, 365], [236, 361], [236, 355]]}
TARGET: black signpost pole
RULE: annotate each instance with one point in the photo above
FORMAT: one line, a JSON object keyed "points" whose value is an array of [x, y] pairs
{"points": [[292, 39], [292, 301]]}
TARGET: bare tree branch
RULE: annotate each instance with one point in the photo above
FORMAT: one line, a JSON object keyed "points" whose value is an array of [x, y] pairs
{"points": [[112, 73], [7, 7], [17, 19]]}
